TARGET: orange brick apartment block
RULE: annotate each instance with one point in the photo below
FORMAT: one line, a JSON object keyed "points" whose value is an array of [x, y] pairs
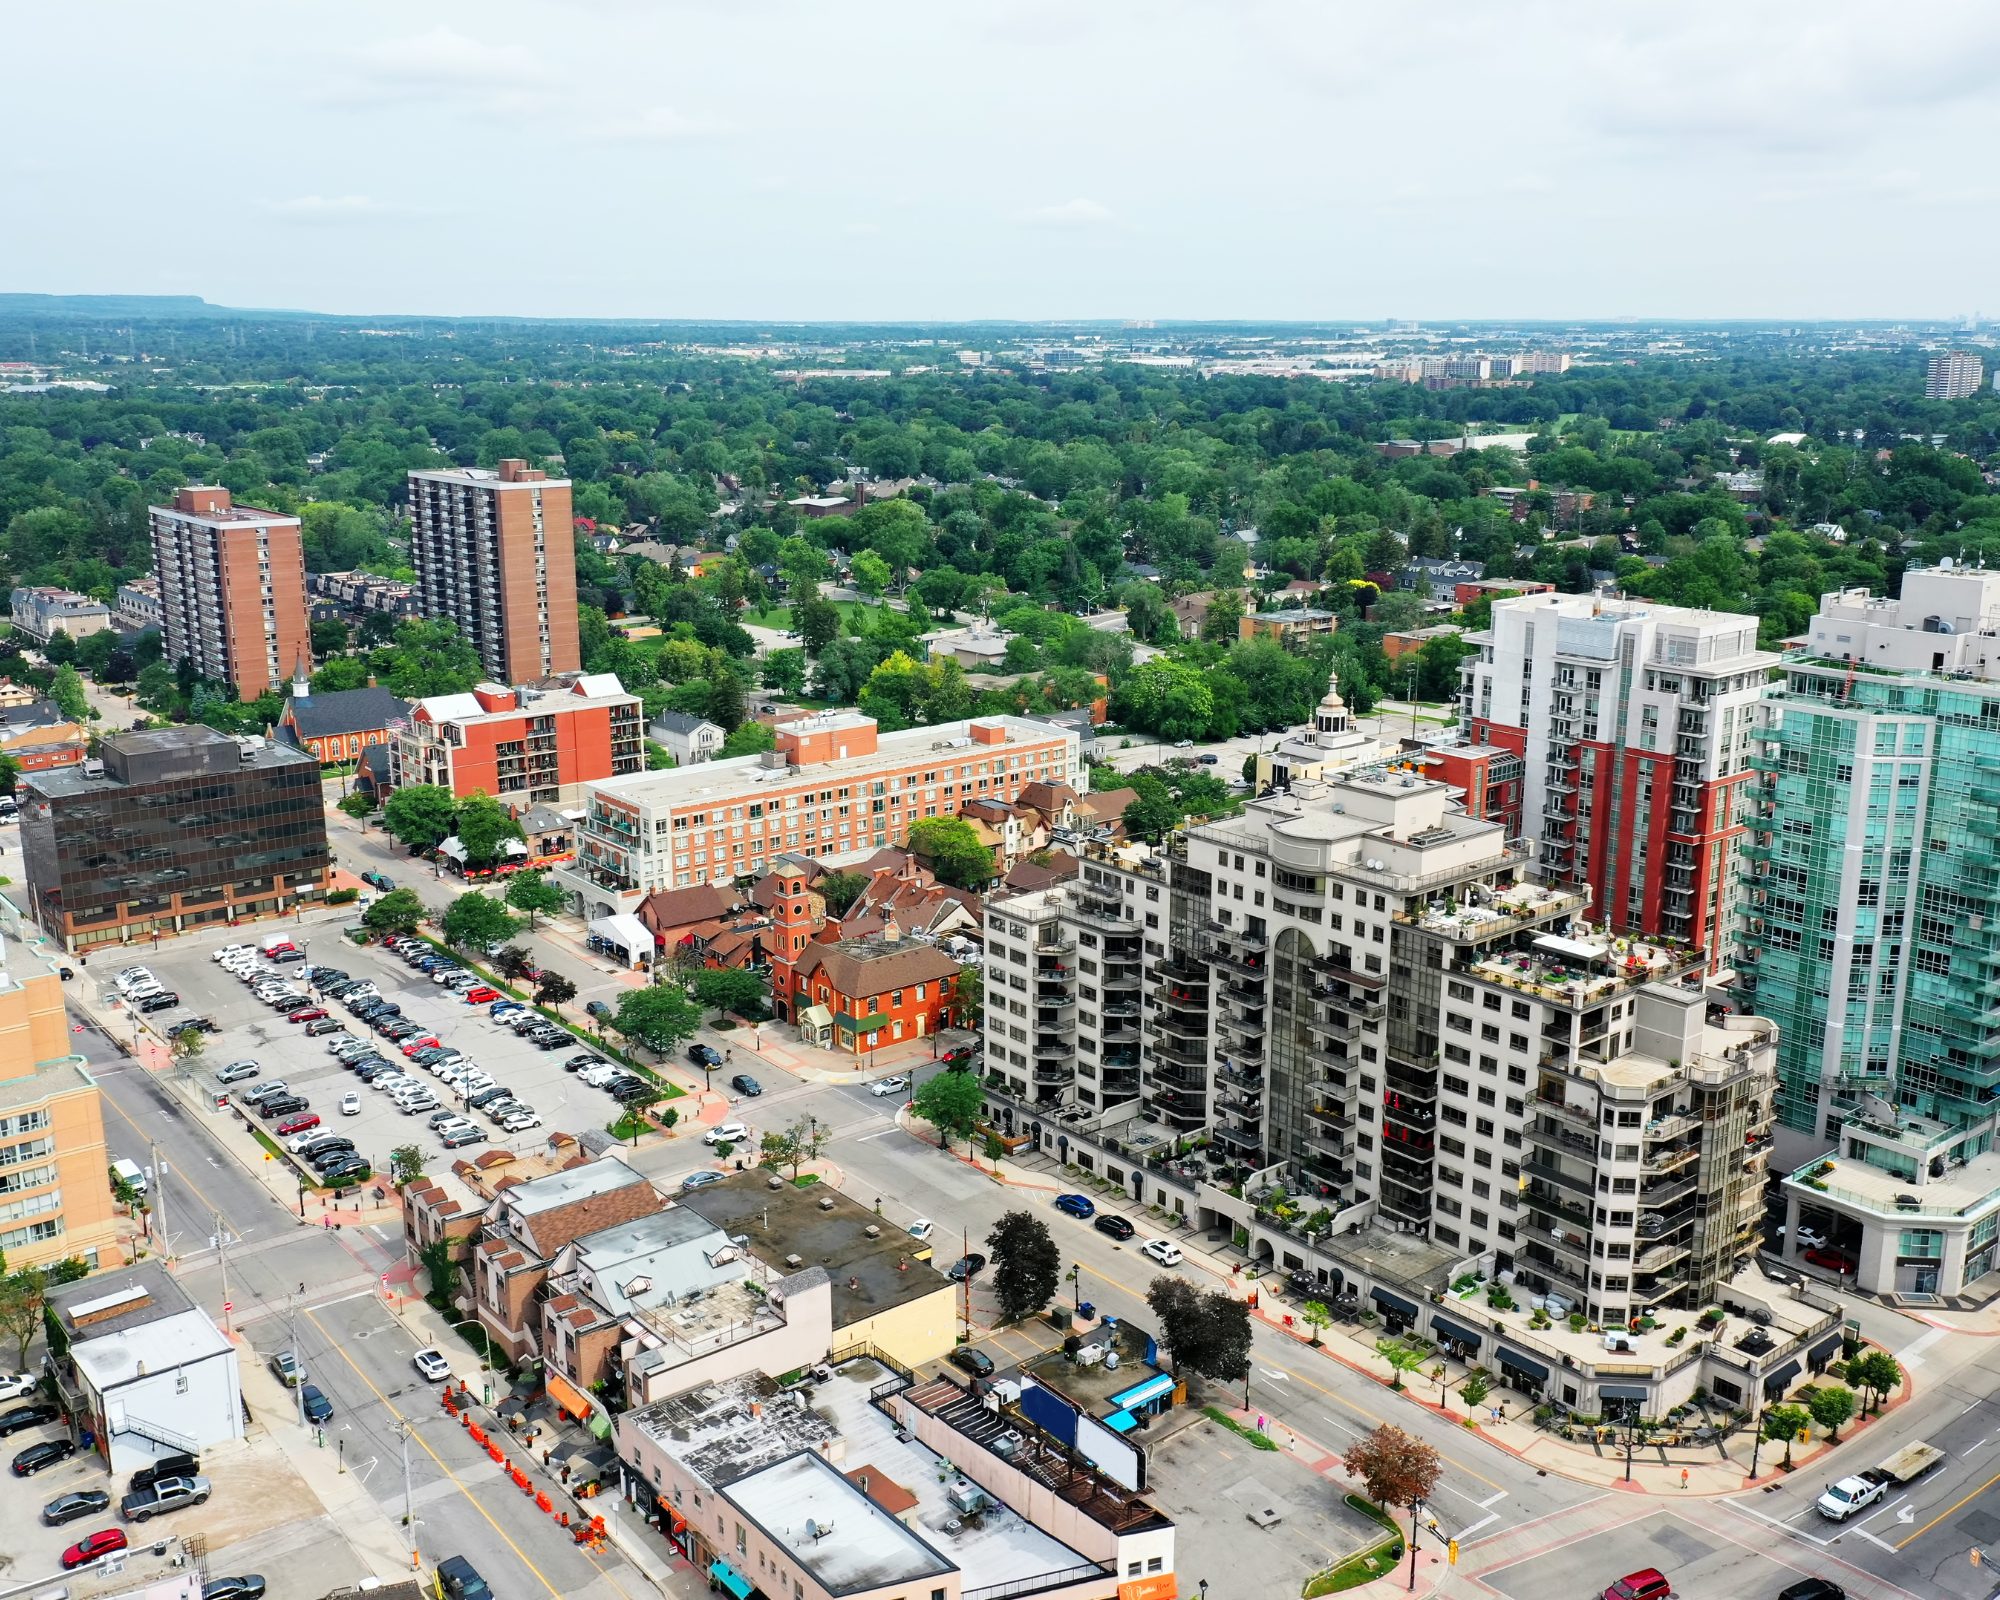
{"points": [[232, 589]]}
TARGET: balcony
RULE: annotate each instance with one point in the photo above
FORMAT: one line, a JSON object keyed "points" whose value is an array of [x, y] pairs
{"points": [[1672, 1159], [1547, 1266], [1554, 1238], [1548, 1172], [1547, 1201], [1555, 1135], [1340, 972], [1402, 1081]]}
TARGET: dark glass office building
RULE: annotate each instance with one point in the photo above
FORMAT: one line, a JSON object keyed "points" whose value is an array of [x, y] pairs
{"points": [[173, 829]]}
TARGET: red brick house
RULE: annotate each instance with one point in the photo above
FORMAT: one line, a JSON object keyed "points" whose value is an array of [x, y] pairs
{"points": [[860, 994]]}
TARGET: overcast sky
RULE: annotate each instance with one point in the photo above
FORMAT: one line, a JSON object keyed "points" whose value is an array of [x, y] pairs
{"points": [[914, 159]]}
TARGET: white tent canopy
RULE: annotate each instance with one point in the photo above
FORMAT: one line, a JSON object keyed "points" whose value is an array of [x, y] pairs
{"points": [[626, 932]]}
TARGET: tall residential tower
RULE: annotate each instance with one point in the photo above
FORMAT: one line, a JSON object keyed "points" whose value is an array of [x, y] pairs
{"points": [[495, 553], [232, 589]]}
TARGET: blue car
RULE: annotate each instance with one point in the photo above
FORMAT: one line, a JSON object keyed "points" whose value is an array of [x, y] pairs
{"points": [[318, 1408], [1076, 1205]]}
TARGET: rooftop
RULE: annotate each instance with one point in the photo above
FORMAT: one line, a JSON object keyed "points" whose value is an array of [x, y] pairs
{"points": [[1580, 970], [713, 780], [1969, 1189], [570, 1185], [832, 1529], [789, 1228], [1505, 908], [1088, 1381], [158, 755], [118, 1302], [108, 1359]]}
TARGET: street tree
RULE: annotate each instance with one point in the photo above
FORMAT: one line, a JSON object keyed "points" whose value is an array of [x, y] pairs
{"points": [[421, 815], [1401, 1359], [1206, 1333], [950, 1102], [818, 623], [512, 961], [406, 1164], [734, 989], [658, 1017], [1027, 1265], [439, 1266], [554, 990], [1784, 1424], [533, 893], [1315, 1316], [1831, 1405], [969, 997], [1394, 1468], [22, 1296], [67, 692], [398, 911], [188, 1044], [949, 847], [477, 921], [484, 828], [1875, 1372], [357, 805], [795, 1144]]}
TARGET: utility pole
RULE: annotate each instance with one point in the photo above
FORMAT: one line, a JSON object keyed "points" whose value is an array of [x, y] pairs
{"points": [[222, 1260], [298, 1366], [409, 1520], [160, 1196]]}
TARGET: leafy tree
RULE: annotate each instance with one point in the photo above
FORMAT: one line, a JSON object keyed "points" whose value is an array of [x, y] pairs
{"points": [[426, 657], [533, 893], [439, 1265], [1401, 1359], [1876, 1372], [1152, 813], [554, 990], [476, 921], [871, 574], [840, 890], [358, 804], [659, 1017], [1315, 1315], [1786, 1423], [950, 1102], [406, 1165], [784, 671], [1205, 1332], [483, 827], [67, 692], [1831, 1405], [795, 1144], [398, 911], [735, 989], [512, 961], [188, 1044], [949, 847], [749, 739], [22, 1295], [1394, 1468], [1477, 1387], [421, 814], [969, 997], [1027, 1264], [818, 622]]}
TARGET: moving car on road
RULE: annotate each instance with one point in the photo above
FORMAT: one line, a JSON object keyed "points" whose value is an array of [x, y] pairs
{"points": [[1076, 1205], [1849, 1495], [1164, 1251], [432, 1366], [726, 1133], [704, 1055], [744, 1084], [888, 1086], [1109, 1222]]}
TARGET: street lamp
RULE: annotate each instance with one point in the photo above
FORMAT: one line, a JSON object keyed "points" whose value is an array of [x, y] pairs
{"points": [[1756, 1440], [1416, 1506]]}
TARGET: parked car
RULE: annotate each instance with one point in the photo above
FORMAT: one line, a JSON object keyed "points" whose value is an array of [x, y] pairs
{"points": [[599, 1010], [459, 1579], [922, 1229], [484, 994], [1076, 1205], [182, 1464], [1647, 1584], [284, 1105], [1109, 1222], [1164, 1251], [966, 1268], [288, 1368], [298, 1124], [976, 1362], [432, 1366], [245, 1586], [321, 1024], [318, 1408], [309, 1014], [704, 1055], [744, 1084], [699, 1180], [577, 1063], [458, 1138], [269, 1089], [18, 1385], [237, 1071], [1813, 1589], [160, 1002], [21, 1418], [77, 1503], [45, 1454], [1832, 1260], [169, 1494], [93, 1546]]}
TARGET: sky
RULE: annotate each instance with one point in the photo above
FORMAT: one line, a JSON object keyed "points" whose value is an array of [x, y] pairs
{"points": [[1035, 159]]}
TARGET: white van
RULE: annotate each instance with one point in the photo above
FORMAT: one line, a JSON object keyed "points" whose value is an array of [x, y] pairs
{"points": [[129, 1171]]}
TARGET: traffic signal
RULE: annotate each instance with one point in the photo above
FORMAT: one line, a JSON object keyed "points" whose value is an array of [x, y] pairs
{"points": [[1451, 1552]]}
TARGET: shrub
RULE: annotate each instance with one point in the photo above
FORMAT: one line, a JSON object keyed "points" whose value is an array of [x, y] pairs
{"points": [[341, 897]]}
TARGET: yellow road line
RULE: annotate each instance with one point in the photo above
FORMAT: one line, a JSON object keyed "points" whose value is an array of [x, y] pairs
{"points": [[458, 1482], [1948, 1510]]}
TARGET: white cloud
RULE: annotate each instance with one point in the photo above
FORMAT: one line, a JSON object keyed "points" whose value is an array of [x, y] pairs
{"points": [[1078, 213]]}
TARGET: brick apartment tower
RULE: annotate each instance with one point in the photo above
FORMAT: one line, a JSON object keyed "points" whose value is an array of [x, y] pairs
{"points": [[232, 589], [1634, 723], [495, 553]]}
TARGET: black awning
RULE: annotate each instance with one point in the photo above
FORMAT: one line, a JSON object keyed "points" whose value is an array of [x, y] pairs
{"points": [[1444, 1328], [1776, 1382], [1825, 1350], [1526, 1365], [1395, 1304], [1621, 1391]]}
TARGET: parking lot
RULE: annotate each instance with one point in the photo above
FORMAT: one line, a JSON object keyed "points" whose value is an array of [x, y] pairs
{"points": [[249, 1030]]}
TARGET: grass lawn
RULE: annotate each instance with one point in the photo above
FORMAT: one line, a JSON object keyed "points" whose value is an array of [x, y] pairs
{"points": [[769, 617]]}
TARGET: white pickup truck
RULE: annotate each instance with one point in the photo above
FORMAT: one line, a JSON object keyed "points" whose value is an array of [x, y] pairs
{"points": [[1841, 1500]]}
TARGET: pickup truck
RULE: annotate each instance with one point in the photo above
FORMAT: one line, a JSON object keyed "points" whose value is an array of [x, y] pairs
{"points": [[1841, 1500], [169, 1494]]}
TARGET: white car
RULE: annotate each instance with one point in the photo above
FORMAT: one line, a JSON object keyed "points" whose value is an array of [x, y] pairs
{"points": [[1164, 1251], [885, 1086], [596, 1077], [299, 1141], [520, 1121], [350, 1104], [13, 1385], [921, 1229], [133, 978], [431, 1365], [143, 991], [229, 951], [389, 1080], [726, 1133]]}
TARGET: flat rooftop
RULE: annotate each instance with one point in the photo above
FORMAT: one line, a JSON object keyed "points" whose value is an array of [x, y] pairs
{"points": [[118, 1302], [870, 1275], [570, 1185], [1583, 970], [832, 1529], [1089, 1382], [1503, 909], [1962, 1192], [118, 1357], [1403, 1258], [714, 780]]}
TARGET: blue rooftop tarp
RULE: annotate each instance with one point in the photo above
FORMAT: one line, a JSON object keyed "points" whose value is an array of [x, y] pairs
{"points": [[1140, 1393]]}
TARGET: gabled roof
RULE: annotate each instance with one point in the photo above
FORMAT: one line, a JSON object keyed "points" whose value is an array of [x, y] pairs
{"points": [[1108, 806], [867, 968], [319, 716], [683, 722], [667, 909]]}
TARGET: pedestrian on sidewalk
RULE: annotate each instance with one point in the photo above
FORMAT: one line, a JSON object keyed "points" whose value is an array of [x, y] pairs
{"points": [[1684, 1477]]}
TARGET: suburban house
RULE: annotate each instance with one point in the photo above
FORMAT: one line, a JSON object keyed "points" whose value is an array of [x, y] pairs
{"points": [[689, 739], [38, 734], [675, 915], [144, 1370]]}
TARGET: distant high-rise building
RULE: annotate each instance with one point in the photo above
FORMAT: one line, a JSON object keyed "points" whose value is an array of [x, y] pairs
{"points": [[495, 553], [1633, 722], [232, 589], [1954, 376]]}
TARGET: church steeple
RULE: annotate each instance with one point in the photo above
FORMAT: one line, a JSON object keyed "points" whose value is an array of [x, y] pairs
{"points": [[301, 680], [1330, 725]]}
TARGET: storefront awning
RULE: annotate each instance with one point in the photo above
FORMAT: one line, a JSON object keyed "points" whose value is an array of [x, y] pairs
{"points": [[1778, 1381], [1621, 1391], [599, 1424], [568, 1395], [1444, 1328], [1527, 1365], [1394, 1303], [1121, 1422], [1140, 1393], [1825, 1350], [816, 1017], [732, 1580]]}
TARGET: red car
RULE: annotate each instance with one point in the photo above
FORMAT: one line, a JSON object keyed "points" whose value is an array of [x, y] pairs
{"points": [[481, 996], [310, 1014], [1650, 1584], [300, 1123], [1832, 1260], [423, 1041], [106, 1541]]}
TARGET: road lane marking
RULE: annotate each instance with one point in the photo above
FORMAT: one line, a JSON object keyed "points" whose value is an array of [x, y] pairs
{"points": [[1948, 1510], [1467, 1533], [1884, 1543], [1912, 1354], [1796, 1533], [1493, 1499]]}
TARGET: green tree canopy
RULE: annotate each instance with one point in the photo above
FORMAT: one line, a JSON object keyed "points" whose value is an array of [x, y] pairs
{"points": [[421, 814], [475, 921], [951, 1103], [533, 893], [398, 911], [659, 1017], [949, 847], [1027, 1264]]}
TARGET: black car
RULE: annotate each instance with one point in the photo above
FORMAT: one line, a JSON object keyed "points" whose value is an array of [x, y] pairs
{"points": [[637, 1089], [578, 1063], [744, 1084], [554, 1039], [487, 1097], [374, 880], [323, 1161], [46, 1454], [283, 1105], [78, 1503], [160, 1002], [318, 1407], [281, 957], [966, 1268], [704, 1055], [355, 1171], [1813, 1589], [34, 1416], [323, 977], [459, 1579], [247, 1586], [184, 1465], [1113, 1224], [976, 1362]]}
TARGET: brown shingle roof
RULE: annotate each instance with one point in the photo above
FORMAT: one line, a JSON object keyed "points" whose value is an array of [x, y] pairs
{"points": [[1110, 805], [548, 1231], [667, 910], [860, 969]]}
